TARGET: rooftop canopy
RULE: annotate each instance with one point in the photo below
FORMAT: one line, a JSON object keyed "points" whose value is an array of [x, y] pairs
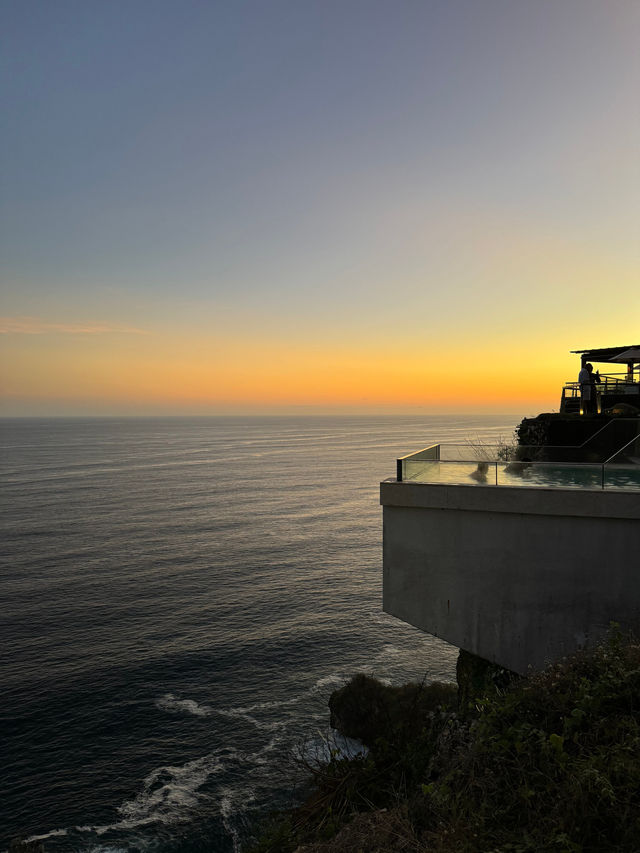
{"points": [[603, 354]]}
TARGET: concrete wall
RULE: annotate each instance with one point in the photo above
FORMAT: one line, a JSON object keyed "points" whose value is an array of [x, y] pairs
{"points": [[519, 576]]}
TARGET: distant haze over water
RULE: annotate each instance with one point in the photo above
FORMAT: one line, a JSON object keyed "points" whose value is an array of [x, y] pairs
{"points": [[179, 599]]}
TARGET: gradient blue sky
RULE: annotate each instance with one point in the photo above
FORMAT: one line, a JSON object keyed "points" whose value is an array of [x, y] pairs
{"points": [[240, 206]]}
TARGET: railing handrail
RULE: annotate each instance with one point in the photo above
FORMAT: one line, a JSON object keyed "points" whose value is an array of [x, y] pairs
{"points": [[624, 447], [604, 380], [415, 452], [606, 426]]}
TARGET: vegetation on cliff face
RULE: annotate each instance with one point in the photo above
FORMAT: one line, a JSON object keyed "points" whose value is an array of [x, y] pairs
{"points": [[547, 763]]}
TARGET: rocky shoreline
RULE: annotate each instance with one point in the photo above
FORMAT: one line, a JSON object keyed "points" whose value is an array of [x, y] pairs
{"points": [[498, 763]]}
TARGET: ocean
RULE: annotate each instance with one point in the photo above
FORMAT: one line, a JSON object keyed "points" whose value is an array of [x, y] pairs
{"points": [[179, 598]]}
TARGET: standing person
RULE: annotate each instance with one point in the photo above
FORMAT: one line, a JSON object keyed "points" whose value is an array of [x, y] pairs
{"points": [[584, 378], [594, 379]]}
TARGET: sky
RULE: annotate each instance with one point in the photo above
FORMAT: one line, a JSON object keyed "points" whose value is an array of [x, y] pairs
{"points": [[309, 206]]}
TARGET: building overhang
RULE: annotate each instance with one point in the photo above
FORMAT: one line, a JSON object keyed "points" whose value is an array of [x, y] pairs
{"points": [[518, 576]]}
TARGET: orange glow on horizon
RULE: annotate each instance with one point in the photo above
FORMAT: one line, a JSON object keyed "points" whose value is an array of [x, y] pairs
{"points": [[201, 377], [174, 372]]}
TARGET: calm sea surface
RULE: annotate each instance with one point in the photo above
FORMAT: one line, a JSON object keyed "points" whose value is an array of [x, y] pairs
{"points": [[179, 598]]}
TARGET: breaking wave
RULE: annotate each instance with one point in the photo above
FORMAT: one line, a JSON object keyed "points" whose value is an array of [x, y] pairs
{"points": [[171, 703]]}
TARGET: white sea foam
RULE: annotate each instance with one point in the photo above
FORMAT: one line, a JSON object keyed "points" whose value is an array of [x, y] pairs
{"points": [[242, 714], [54, 833], [328, 680], [389, 651], [233, 801], [174, 705], [320, 749], [107, 848], [379, 617], [169, 794], [248, 712], [258, 757], [270, 705]]}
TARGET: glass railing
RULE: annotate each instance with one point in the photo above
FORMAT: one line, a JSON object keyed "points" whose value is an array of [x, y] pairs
{"points": [[531, 467], [622, 470], [546, 475]]}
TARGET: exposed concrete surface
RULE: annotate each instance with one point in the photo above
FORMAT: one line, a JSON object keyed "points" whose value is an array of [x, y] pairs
{"points": [[518, 576]]}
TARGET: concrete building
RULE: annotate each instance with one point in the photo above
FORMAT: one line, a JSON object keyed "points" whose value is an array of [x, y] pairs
{"points": [[519, 563]]}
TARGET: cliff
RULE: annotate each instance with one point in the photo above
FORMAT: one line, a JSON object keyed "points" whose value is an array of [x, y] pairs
{"points": [[546, 763]]}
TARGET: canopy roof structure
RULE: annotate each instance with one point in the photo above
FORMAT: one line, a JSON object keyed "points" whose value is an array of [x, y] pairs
{"points": [[629, 356], [604, 354]]}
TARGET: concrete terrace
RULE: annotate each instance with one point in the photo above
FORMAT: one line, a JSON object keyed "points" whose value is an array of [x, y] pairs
{"points": [[517, 560]]}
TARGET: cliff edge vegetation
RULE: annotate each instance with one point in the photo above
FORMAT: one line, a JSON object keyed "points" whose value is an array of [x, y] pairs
{"points": [[546, 763]]}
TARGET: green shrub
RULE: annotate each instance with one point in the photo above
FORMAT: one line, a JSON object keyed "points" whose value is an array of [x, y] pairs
{"points": [[547, 764], [554, 763]]}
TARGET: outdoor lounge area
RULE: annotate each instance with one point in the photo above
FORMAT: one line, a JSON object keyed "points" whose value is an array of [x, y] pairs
{"points": [[612, 386]]}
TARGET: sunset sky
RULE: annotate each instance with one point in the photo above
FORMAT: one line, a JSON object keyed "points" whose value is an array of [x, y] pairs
{"points": [[315, 206]]}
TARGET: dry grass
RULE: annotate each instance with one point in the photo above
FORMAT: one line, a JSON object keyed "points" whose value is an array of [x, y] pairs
{"points": [[382, 831]]}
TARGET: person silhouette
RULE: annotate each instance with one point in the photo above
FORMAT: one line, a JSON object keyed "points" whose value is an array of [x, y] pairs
{"points": [[594, 381], [584, 379]]}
